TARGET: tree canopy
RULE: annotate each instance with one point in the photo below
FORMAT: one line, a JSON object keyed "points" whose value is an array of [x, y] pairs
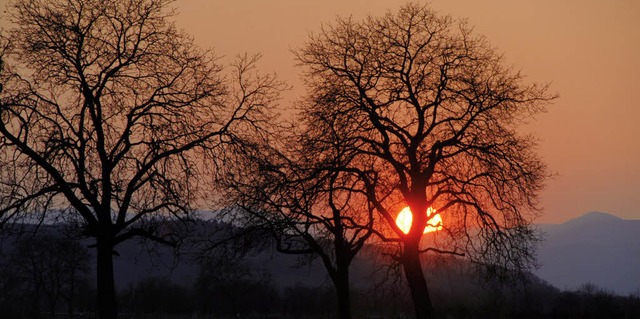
{"points": [[431, 112]]}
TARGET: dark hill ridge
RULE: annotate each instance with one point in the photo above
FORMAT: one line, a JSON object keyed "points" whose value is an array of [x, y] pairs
{"points": [[597, 247]]}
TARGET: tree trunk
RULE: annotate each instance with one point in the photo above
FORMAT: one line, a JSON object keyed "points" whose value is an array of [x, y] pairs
{"points": [[70, 309], [106, 284], [52, 305], [341, 283], [72, 294], [416, 280]]}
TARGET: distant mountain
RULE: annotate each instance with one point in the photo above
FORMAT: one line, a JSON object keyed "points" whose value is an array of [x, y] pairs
{"points": [[596, 248]]}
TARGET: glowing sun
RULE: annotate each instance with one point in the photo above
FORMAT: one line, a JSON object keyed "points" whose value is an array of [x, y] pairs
{"points": [[404, 220]]}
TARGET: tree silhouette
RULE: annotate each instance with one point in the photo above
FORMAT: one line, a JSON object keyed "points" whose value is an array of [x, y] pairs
{"points": [[303, 199], [107, 112], [53, 267], [431, 113]]}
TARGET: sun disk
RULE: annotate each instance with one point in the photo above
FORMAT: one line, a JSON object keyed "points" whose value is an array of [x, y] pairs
{"points": [[405, 219]]}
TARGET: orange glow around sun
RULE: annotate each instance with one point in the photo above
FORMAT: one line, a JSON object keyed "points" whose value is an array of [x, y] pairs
{"points": [[404, 220]]}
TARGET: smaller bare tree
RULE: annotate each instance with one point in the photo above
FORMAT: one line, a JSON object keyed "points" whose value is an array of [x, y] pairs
{"points": [[53, 267], [303, 199]]}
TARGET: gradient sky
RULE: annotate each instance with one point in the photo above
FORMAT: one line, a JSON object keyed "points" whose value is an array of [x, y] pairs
{"points": [[589, 50]]}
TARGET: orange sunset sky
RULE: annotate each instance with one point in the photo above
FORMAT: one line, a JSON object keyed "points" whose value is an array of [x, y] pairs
{"points": [[589, 51]]}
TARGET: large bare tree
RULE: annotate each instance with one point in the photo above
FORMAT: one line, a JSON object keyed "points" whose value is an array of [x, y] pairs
{"points": [[431, 110], [108, 111]]}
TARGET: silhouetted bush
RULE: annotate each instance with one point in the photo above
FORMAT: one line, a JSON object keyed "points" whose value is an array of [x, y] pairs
{"points": [[157, 296], [308, 302], [44, 273]]}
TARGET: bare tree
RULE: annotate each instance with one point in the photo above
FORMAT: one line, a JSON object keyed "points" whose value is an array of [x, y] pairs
{"points": [[108, 112], [307, 204], [431, 111], [53, 267]]}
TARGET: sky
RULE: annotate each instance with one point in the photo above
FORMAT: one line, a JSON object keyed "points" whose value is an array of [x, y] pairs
{"points": [[588, 50]]}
